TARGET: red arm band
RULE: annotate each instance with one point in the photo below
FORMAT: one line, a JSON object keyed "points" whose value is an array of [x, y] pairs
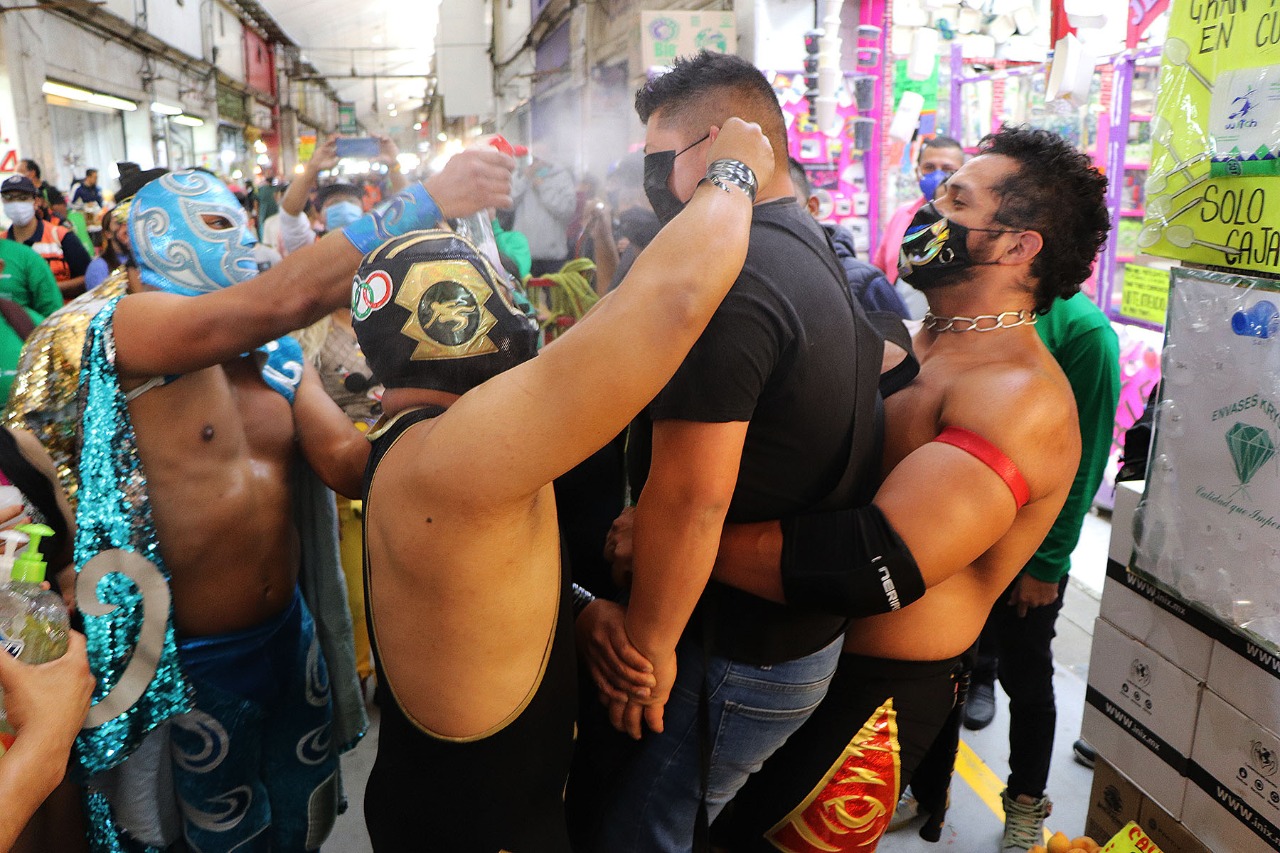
{"points": [[987, 453]]}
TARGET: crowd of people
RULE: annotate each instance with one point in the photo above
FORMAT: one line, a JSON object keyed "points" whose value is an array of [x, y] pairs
{"points": [[711, 570]]}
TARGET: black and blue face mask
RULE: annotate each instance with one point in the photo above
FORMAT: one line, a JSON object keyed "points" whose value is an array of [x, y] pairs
{"points": [[935, 250], [658, 166]]}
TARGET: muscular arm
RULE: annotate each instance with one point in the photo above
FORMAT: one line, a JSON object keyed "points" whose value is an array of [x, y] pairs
{"points": [[618, 357], [160, 333], [677, 527], [334, 448], [947, 506]]}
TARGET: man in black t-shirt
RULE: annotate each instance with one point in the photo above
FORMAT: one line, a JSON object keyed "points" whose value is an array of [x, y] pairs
{"points": [[757, 422]]}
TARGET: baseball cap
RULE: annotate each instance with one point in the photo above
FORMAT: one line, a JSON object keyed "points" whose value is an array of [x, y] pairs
{"points": [[18, 184]]}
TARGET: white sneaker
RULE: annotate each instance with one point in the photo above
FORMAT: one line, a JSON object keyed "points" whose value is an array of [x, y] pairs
{"points": [[1023, 823], [907, 810]]}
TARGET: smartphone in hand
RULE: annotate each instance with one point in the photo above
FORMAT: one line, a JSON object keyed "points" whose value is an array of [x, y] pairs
{"points": [[365, 147]]}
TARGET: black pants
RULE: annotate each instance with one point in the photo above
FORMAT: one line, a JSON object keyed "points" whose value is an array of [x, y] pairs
{"points": [[1018, 650]]}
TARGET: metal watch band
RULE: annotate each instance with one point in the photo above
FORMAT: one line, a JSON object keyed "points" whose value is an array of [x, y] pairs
{"points": [[581, 598], [732, 173]]}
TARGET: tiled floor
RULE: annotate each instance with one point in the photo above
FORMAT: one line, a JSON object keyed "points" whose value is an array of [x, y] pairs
{"points": [[971, 825]]}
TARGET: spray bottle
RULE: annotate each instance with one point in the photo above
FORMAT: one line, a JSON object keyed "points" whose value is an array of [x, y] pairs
{"points": [[476, 227], [33, 620]]}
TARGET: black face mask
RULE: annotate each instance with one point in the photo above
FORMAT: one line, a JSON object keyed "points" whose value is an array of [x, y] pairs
{"points": [[657, 174], [935, 250]]}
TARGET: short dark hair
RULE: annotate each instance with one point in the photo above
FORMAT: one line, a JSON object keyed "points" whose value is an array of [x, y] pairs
{"points": [[710, 88], [33, 167], [88, 172], [1057, 191], [800, 180], [939, 141]]}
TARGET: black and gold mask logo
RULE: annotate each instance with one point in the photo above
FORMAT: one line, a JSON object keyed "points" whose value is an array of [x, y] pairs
{"points": [[447, 313]]}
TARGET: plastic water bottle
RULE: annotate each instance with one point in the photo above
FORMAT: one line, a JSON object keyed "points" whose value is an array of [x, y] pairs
{"points": [[33, 621], [476, 228]]}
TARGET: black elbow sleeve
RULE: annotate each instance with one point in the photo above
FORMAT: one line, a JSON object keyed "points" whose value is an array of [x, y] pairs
{"points": [[849, 562]]}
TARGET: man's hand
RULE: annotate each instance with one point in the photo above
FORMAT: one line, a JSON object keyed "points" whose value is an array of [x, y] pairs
{"points": [[325, 157], [632, 716], [744, 141], [388, 151], [617, 546], [618, 669], [472, 180], [1030, 593], [48, 702]]}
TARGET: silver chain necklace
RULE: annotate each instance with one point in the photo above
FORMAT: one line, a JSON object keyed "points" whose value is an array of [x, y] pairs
{"points": [[981, 323]]}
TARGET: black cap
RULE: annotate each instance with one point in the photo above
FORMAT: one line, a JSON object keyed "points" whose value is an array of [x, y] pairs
{"points": [[18, 184], [133, 178], [327, 193]]}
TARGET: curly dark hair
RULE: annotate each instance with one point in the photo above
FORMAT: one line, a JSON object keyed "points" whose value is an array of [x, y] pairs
{"points": [[1058, 192], [710, 88]]}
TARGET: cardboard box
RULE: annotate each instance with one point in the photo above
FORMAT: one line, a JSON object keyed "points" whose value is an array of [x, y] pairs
{"points": [[1247, 675], [1168, 834], [1113, 802], [1140, 714], [1233, 801], [1167, 625], [1127, 496]]}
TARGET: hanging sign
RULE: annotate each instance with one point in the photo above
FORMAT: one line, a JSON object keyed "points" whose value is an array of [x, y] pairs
{"points": [[1145, 295], [1213, 190], [668, 34]]}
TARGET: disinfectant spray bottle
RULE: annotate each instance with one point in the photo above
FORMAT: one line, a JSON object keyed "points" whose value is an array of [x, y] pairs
{"points": [[33, 620]]}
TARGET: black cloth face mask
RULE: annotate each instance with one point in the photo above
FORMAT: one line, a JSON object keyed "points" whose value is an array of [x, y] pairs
{"points": [[657, 173], [935, 250]]}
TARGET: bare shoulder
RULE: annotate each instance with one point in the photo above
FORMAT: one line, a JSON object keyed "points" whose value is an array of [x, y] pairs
{"points": [[1026, 409]]}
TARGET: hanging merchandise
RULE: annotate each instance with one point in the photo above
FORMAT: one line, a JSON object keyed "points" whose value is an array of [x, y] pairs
{"points": [[1216, 160], [1209, 524]]}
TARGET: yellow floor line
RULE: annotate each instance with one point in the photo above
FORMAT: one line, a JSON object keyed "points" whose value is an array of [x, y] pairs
{"points": [[985, 783]]}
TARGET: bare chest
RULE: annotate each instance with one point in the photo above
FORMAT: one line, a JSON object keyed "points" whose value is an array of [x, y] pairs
{"points": [[213, 417]]}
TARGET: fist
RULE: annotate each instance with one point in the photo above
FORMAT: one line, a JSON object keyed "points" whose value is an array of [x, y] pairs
{"points": [[472, 180], [742, 140]]}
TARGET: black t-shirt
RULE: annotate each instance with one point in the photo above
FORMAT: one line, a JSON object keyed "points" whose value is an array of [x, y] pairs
{"points": [[781, 352]]}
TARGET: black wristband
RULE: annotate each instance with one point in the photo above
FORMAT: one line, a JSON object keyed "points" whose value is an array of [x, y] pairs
{"points": [[849, 562]]}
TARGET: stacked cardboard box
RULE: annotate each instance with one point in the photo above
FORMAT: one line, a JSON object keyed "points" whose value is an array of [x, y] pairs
{"points": [[1183, 711]]}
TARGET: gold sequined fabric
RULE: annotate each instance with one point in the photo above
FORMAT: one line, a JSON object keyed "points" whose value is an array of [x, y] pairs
{"points": [[43, 398]]}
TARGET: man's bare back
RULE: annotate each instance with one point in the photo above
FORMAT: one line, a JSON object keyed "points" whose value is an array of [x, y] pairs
{"points": [[217, 446], [997, 385]]}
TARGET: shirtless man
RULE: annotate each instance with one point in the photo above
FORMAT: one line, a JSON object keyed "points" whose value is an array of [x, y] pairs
{"points": [[185, 501], [980, 453], [469, 602]]}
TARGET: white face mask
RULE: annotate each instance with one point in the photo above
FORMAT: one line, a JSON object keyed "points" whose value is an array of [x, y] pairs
{"points": [[21, 212]]}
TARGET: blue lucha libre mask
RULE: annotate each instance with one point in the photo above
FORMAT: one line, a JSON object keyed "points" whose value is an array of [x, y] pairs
{"points": [[177, 233]]}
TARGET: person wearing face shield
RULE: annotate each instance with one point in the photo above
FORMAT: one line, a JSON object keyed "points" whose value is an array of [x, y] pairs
{"points": [[939, 158], [214, 605], [59, 246]]}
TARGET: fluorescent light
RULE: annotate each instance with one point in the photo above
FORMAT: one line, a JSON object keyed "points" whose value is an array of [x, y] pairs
{"points": [[165, 109], [111, 101], [188, 121], [71, 93]]}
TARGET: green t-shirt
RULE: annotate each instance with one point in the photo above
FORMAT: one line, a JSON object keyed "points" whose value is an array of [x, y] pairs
{"points": [[1088, 351], [11, 348], [27, 279]]}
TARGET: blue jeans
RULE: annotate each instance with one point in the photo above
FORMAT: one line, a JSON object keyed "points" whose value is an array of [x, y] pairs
{"points": [[654, 796]]}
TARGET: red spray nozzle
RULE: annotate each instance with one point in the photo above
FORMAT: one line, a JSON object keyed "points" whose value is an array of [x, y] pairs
{"points": [[501, 143]]}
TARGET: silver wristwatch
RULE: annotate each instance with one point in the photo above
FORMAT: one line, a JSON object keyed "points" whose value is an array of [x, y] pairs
{"points": [[733, 173]]}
